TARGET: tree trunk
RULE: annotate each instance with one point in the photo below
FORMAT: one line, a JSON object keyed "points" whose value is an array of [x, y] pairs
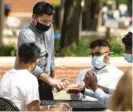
{"points": [[86, 16], [130, 7], [70, 27], [99, 22], [108, 35], [57, 17], [62, 12], [90, 16], [1, 22]]}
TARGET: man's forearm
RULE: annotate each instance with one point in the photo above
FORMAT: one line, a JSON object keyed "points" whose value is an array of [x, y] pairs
{"points": [[102, 97], [106, 90], [46, 78]]}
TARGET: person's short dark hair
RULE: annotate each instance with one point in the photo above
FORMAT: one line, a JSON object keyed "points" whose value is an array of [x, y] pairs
{"points": [[100, 43], [41, 8], [28, 52], [127, 40]]}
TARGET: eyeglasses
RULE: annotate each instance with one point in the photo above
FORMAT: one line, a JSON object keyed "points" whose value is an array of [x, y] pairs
{"points": [[99, 53]]}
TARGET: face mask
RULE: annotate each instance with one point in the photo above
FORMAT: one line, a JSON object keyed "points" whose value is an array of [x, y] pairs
{"points": [[42, 27], [128, 57], [98, 62]]}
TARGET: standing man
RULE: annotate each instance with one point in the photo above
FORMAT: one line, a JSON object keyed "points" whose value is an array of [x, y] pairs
{"points": [[41, 32]]}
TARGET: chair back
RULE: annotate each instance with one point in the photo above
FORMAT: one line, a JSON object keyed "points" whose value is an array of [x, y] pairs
{"points": [[7, 105]]}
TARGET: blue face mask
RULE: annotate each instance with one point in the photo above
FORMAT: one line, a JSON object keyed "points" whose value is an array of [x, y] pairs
{"points": [[98, 62], [128, 57]]}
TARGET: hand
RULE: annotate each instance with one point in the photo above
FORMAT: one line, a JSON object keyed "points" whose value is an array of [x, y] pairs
{"points": [[59, 86], [87, 79], [73, 88], [92, 83], [60, 107], [65, 82]]}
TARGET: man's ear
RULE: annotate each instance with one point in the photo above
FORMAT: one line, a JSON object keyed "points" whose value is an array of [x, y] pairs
{"points": [[34, 19], [106, 58], [38, 61]]}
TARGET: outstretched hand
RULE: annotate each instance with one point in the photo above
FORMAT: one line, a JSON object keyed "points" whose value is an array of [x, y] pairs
{"points": [[74, 88], [61, 84], [91, 81]]}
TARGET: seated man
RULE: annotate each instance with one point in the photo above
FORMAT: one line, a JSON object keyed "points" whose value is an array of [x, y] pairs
{"points": [[107, 74], [100, 92], [19, 85]]}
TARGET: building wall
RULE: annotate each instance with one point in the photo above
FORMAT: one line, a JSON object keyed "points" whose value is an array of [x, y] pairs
{"points": [[23, 5], [68, 72]]}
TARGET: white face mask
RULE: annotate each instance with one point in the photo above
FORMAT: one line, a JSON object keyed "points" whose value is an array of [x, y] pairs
{"points": [[128, 57], [98, 62]]}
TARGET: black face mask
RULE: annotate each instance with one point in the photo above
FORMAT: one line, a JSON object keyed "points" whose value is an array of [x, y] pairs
{"points": [[42, 27]]}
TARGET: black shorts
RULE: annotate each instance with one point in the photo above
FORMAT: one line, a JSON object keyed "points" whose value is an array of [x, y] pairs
{"points": [[45, 91]]}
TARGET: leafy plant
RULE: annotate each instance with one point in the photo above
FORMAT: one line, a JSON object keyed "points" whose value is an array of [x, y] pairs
{"points": [[7, 50], [83, 49], [117, 48]]}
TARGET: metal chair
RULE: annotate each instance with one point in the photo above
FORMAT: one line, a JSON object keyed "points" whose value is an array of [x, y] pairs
{"points": [[7, 105]]}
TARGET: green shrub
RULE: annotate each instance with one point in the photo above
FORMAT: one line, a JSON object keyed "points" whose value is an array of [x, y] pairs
{"points": [[57, 45], [117, 48], [83, 49], [7, 50]]}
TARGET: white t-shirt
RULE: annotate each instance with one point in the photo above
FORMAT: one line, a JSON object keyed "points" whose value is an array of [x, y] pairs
{"points": [[19, 86]]}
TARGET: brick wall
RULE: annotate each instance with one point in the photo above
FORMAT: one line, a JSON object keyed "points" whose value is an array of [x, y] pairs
{"points": [[23, 5], [69, 73]]}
